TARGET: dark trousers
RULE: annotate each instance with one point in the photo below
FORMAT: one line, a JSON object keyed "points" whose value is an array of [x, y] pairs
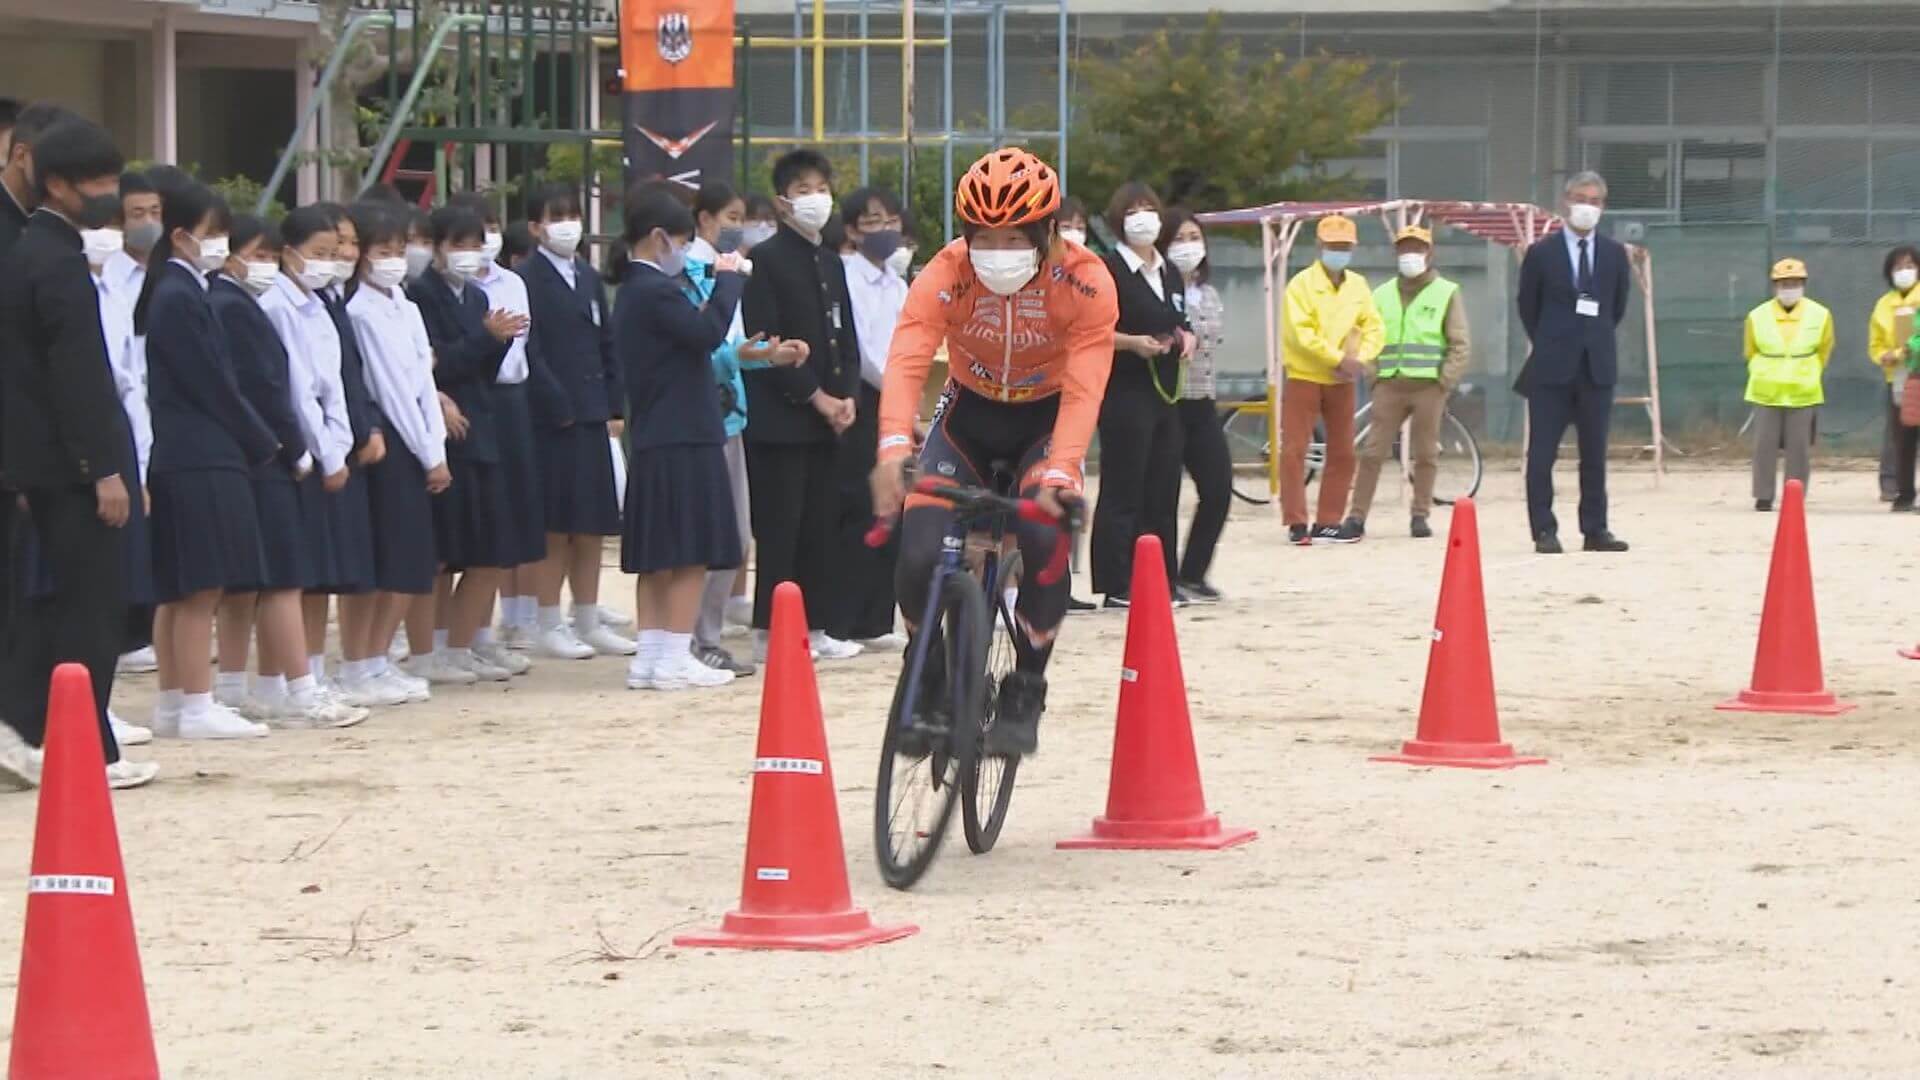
{"points": [[1897, 457], [861, 606], [84, 620], [794, 495], [1140, 446], [1210, 465], [1588, 408]]}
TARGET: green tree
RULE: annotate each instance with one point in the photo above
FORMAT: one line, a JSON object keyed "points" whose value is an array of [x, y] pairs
{"points": [[1213, 127]]}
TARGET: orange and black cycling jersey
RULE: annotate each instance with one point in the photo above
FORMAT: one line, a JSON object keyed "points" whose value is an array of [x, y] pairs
{"points": [[1055, 336]]}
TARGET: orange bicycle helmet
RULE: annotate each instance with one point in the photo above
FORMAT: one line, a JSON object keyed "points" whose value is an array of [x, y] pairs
{"points": [[1009, 186]]}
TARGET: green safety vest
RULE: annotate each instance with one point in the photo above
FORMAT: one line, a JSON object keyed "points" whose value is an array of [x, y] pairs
{"points": [[1416, 335], [1782, 373]]}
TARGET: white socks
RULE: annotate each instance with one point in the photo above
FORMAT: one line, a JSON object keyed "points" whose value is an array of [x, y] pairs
{"points": [[519, 611], [317, 666], [271, 688], [195, 704], [439, 641], [230, 683], [648, 655], [302, 688], [674, 645], [483, 636], [550, 618], [586, 619]]}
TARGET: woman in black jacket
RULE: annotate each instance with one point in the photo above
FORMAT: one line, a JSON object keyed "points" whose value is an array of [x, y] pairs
{"points": [[1140, 439]]}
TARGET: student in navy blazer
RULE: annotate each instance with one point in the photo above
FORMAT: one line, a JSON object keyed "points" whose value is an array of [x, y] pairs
{"points": [[1574, 287], [578, 403]]}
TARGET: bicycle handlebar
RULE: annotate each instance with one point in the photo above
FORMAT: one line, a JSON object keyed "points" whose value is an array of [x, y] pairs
{"points": [[972, 502]]}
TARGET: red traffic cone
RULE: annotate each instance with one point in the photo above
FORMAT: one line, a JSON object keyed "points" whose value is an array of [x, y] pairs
{"points": [[82, 1007], [1786, 664], [1154, 799], [1459, 722], [793, 891]]}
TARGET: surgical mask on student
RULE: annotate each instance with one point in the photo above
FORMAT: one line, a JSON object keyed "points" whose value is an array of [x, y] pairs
{"points": [[1905, 278], [811, 212], [143, 236], [880, 244], [757, 232], [1187, 254], [1583, 216], [315, 273], [1078, 236], [1336, 261], [900, 261], [1413, 264], [342, 271], [213, 253], [1004, 271], [1791, 294], [102, 244], [466, 265], [419, 257], [388, 272], [729, 239], [673, 260], [1141, 226], [490, 246], [563, 238], [260, 277]]}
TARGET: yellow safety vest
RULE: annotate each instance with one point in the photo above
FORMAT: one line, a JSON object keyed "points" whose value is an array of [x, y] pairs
{"points": [[1416, 333], [1785, 373]]}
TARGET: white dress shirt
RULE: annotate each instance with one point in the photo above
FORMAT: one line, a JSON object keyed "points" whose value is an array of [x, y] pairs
{"points": [[128, 363], [1152, 269], [124, 273], [508, 290], [399, 365], [877, 294], [312, 342], [565, 266]]}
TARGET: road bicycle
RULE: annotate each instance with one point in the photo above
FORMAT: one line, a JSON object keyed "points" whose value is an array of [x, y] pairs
{"points": [[1245, 424]]}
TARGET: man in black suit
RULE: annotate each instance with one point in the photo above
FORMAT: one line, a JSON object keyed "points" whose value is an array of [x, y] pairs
{"points": [[1574, 287], [64, 445], [795, 415]]}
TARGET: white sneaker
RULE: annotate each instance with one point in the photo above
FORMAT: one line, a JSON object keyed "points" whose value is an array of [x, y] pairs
{"points": [[514, 636], [828, 647], [560, 644], [760, 647], [468, 660], [502, 657], [219, 722], [416, 690], [139, 662], [639, 676], [371, 693], [319, 711], [166, 721], [128, 734], [885, 643], [604, 641], [439, 673], [19, 763], [124, 774], [398, 650], [618, 620], [685, 672]]}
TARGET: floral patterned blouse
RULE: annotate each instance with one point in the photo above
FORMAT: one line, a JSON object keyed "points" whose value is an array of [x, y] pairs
{"points": [[1207, 316]]}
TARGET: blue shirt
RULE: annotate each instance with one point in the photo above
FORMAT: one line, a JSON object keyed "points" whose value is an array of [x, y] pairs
{"points": [[726, 359]]}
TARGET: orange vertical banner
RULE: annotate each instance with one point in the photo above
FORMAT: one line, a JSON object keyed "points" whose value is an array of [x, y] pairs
{"points": [[676, 59]]}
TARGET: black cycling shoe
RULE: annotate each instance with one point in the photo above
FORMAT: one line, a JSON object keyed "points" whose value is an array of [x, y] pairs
{"points": [[1016, 716]]}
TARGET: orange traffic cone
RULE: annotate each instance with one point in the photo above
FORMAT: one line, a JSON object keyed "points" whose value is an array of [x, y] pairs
{"points": [[82, 1007], [1459, 722], [1786, 665], [1154, 799], [793, 891]]}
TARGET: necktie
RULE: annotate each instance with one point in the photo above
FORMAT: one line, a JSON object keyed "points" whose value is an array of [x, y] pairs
{"points": [[1586, 270]]}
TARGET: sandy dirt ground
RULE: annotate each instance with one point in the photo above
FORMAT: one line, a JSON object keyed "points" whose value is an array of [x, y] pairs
{"points": [[483, 886]]}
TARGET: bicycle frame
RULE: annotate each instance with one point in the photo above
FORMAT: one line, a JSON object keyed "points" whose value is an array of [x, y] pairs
{"points": [[953, 556]]}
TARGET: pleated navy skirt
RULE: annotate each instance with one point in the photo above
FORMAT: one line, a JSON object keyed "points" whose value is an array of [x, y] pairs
{"points": [[578, 483], [206, 533], [283, 534], [469, 518], [339, 529], [526, 532], [679, 511], [404, 559]]}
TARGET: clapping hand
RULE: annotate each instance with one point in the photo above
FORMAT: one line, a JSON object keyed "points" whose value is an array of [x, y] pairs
{"points": [[505, 325]]}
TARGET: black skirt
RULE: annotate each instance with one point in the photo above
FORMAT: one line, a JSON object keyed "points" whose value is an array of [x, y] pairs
{"points": [[578, 486], [679, 511], [526, 532], [206, 534], [469, 518], [283, 535], [339, 534], [404, 559]]}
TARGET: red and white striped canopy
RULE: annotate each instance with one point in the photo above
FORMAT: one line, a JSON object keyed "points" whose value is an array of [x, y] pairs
{"points": [[1509, 224]]}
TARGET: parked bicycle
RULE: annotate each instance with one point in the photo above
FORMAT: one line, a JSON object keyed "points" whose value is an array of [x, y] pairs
{"points": [[1460, 473]]}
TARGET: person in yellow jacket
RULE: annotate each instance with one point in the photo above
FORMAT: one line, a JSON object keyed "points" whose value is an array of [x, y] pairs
{"points": [[1426, 353], [1788, 342], [1888, 329], [1330, 333]]}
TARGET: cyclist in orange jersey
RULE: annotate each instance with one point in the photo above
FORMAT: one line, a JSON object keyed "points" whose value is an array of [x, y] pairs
{"points": [[1027, 318]]}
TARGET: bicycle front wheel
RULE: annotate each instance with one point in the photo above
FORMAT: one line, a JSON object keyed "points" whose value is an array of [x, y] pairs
{"points": [[986, 788], [1461, 469], [1246, 432]]}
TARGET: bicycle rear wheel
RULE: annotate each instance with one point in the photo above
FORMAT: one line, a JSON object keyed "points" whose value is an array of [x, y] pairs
{"points": [[1246, 432], [1461, 469], [986, 788], [915, 792]]}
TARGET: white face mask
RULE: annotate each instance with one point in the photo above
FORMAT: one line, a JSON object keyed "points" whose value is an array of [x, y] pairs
{"points": [[386, 273], [1791, 294], [213, 253], [490, 247], [756, 232], [563, 238], [1413, 264], [1004, 272], [1141, 226], [1583, 216], [811, 212], [900, 261], [102, 244], [342, 272], [260, 277], [1078, 236], [466, 265], [419, 257], [1905, 278], [1187, 254], [315, 273]]}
